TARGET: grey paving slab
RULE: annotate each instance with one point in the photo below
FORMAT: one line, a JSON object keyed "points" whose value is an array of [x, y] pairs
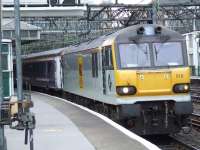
{"points": [[101, 134], [54, 131]]}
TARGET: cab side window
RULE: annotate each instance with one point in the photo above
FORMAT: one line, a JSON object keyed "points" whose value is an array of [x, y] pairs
{"points": [[94, 65], [107, 57]]}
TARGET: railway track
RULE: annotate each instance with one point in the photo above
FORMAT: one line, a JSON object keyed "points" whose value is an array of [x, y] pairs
{"points": [[181, 143], [195, 94], [195, 120], [173, 143]]}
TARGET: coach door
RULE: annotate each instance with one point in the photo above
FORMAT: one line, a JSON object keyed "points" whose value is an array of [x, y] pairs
{"points": [[107, 66]]}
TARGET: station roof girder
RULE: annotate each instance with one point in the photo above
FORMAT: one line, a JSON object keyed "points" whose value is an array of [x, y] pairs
{"points": [[46, 11]]}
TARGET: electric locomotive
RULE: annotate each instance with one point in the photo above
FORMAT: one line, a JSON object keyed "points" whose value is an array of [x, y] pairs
{"points": [[138, 76]]}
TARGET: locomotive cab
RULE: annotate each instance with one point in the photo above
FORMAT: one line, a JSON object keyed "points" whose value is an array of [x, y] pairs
{"points": [[152, 65]]}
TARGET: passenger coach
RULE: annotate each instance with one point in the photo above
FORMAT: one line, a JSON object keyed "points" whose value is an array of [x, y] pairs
{"points": [[43, 69]]}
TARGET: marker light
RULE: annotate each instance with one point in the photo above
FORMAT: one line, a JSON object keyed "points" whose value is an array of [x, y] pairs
{"points": [[181, 88], [125, 90], [186, 87]]}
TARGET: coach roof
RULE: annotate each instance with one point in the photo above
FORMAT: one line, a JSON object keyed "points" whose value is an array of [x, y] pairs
{"points": [[53, 52]]}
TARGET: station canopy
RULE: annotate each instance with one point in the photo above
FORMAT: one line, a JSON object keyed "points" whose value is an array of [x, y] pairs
{"points": [[113, 1], [45, 2], [161, 2], [11, 2], [28, 31]]}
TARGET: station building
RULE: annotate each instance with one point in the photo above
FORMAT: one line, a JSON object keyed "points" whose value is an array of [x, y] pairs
{"points": [[28, 32]]}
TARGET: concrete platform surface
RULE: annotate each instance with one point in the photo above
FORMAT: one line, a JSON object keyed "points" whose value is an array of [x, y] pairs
{"points": [[54, 131], [63, 126]]}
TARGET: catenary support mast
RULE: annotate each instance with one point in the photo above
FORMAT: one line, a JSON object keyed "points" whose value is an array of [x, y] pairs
{"points": [[18, 50], [2, 138]]}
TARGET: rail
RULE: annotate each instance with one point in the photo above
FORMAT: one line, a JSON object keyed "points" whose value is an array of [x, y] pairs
{"points": [[183, 144], [195, 120], [195, 94], [173, 142]]}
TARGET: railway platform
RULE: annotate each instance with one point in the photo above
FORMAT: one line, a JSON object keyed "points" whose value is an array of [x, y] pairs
{"points": [[62, 125]]}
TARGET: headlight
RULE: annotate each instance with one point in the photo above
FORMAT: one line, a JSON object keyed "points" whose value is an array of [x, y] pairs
{"points": [[181, 88], [126, 90]]}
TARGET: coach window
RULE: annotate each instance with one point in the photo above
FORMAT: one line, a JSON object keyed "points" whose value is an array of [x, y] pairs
{"points": [[94, 65], [4, 61], [108, 63]]}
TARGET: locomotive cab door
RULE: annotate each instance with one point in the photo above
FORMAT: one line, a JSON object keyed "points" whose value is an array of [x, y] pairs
{"points": [[107, 69]]}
